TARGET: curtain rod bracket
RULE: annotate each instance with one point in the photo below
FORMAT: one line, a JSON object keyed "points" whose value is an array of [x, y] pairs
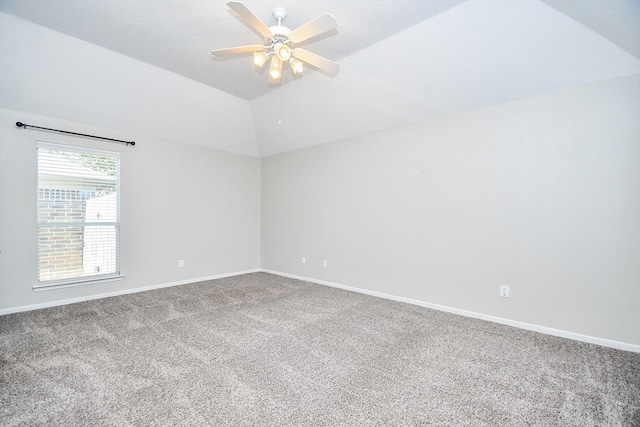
{"points": [[24, 125]]}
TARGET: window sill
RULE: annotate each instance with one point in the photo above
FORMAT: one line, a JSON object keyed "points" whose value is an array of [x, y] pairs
{"points": [[77, 282]]}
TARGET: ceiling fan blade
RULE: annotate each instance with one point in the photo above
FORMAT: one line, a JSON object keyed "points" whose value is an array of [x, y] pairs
{"points": [[250, 18], [323, 64], [322, 24], [238, 50]]}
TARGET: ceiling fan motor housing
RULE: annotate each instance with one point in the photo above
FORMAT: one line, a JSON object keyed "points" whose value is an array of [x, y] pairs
{"points": [[280, 34]]}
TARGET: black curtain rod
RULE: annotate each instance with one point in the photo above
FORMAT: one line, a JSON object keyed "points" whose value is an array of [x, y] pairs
{"points": [[24, 125]]}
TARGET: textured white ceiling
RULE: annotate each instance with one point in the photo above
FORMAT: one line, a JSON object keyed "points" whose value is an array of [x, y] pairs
{"points": [[476, 54], [401, 61], [178, 36]]}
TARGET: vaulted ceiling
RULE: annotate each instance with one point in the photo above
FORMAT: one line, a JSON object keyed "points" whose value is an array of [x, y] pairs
{"points": [[401, 61]]}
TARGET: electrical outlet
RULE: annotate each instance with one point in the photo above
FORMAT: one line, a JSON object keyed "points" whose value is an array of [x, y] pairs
{"points": [[304, 260], [324, 263], [504, 291], [180, 263]]}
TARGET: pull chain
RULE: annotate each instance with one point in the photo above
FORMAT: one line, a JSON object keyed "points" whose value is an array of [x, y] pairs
{"points": [[280, 110]]}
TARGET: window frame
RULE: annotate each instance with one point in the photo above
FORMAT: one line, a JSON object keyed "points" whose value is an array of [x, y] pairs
{"points": [[84, 279]]}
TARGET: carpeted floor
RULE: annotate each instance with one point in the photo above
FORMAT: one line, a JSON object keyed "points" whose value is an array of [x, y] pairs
{"points": [[261, 349]]}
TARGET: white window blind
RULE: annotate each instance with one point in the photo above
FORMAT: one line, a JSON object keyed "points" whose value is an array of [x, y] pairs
{"points": [[78, 215]]}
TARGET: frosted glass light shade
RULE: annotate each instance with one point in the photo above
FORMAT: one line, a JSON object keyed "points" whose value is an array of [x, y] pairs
{"points": [[276, 68], [283, 52], [259, 58], [297, 66]]}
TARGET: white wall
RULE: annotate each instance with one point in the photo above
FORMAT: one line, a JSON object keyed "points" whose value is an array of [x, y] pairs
{"points": [[178, 201], [542, 194]]}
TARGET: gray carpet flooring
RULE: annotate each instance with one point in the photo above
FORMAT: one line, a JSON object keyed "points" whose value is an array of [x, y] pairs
{"points": [[260, 349]]}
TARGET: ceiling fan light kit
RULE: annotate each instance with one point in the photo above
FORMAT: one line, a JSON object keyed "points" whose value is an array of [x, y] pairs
{"points": [[279, 43]]}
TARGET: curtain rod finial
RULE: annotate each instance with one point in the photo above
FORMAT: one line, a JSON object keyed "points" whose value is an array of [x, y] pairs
{"points": [[20, 124]]}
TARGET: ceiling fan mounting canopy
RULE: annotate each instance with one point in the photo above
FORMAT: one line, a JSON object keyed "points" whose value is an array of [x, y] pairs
{"points": [[280, 13], [280, 43]]}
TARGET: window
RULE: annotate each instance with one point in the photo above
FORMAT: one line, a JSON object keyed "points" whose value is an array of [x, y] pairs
{"points": [[78, 215]]}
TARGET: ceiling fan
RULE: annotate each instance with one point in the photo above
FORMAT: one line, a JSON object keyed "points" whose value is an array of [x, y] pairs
{"points": [[280, 43]]}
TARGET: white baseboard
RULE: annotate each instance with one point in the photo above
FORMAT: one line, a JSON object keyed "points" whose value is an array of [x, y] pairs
{"points": [[120, 292], [522, 325]]}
